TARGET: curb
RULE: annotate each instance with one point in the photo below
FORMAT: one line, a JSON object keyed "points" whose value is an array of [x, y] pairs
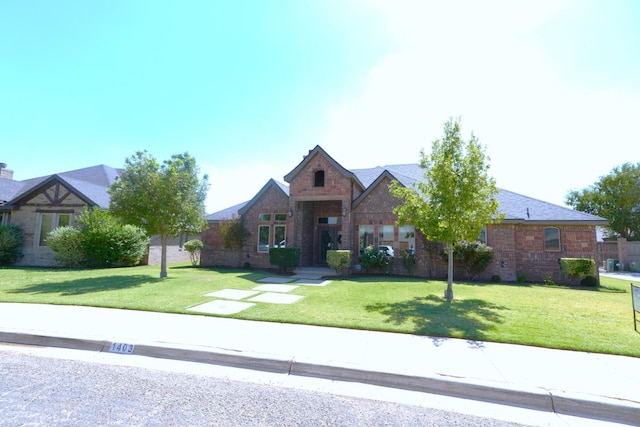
{"points": [[562, 403]]}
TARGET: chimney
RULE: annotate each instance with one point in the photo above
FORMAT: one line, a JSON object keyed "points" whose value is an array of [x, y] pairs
{"points": [[5, 173]]}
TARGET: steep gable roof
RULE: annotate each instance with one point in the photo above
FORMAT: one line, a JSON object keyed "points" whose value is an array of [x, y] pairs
{"points": [[271, 183], [318, 150], [90, 184]]}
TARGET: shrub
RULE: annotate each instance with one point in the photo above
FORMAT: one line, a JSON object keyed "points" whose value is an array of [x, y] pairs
{"points": [[408, 258], [549, 281], [66, 243], [246, 265], [472, 258], [233, 233], [373, 260], [496, 278], [339, 260], [577, 268], [590, 282], [285, 258], [10, 243], [521, 278], [194, 247]]}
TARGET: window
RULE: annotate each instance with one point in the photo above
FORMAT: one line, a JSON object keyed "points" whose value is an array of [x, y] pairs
{"points": [[330, 220], [551, 239], [281, 217], [264, 217], [407, 238], [365, 236], [5, 217], [385, 235], [263, 238], [47, 222], [318, 179], [483, 235], [279, 236]]}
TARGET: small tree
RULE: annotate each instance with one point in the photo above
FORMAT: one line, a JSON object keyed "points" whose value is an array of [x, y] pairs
{"points": [[472, 258], [165, 199], [10, 243], [194, 247], [233, 233], [615, 197], [455, 199]]}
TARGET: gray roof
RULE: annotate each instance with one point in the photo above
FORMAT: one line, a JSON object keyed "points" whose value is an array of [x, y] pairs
{"points": [[516, 207], [89, 183]]}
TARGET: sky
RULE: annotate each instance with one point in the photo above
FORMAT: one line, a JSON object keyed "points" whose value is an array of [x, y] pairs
{"points": [[247, 87]]}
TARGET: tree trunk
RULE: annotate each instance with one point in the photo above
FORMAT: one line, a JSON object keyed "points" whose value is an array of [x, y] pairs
{"points": [[448, 294], [163, 257]]}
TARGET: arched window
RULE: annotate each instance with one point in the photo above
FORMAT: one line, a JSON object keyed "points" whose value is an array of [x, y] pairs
{"points": [[551, 239], [318, 179]]}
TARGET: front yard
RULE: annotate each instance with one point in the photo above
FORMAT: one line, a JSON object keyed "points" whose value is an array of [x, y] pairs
{"points": [[578, 319]]}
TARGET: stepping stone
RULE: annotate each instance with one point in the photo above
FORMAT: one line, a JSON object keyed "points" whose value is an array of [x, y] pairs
{"points": [[275, 280], [276, 298], [235, 294], [312, 282], [274, 288], [221, 307]]}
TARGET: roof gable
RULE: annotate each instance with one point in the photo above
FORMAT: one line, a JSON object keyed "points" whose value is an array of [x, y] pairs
{"points": [[272, 183], [309, 157]]}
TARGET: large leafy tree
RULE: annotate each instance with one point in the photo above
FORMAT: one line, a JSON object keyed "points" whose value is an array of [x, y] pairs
{"points": [[616, 197], [455, 199], [164, 199]]}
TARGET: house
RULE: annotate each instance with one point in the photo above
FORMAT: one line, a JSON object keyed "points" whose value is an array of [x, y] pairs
{"points": [[326, 206], [39, 205]]}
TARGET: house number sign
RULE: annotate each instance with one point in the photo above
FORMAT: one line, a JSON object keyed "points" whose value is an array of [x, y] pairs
{"points": [[122, 348]]}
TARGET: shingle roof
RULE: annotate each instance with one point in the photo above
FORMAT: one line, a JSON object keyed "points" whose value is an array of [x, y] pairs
{"points": [[92, 183], [516, 207]]}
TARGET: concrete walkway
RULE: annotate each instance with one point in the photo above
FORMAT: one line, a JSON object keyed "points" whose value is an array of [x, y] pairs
{"points": [[570, 383]]}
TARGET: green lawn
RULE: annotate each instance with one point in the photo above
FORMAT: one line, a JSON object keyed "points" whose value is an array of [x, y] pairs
{"points": [[580, 319]]}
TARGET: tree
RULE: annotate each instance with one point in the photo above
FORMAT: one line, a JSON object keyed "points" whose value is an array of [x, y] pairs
{"points": [[616, 197], [164, 199], [455, 199]]}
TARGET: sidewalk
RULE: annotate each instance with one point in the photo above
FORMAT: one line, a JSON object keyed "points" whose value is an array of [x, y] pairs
{"points": [[570, 383]]}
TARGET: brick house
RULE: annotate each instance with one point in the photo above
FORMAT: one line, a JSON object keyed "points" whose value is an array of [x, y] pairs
{"points": [[326, 206], [42, 204]]}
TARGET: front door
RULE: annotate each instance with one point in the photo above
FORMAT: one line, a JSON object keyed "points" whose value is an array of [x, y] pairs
{"points": [[328, 239]]}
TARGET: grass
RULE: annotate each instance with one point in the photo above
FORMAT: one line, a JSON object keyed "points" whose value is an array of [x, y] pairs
{"points": [[595, 320]]}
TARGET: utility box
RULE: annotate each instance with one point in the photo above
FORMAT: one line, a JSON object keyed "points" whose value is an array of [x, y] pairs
{"points": [[634, 266], [611, 265]]}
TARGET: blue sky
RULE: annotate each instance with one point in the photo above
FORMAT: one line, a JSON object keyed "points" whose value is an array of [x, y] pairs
{"points": [[551, 88]]}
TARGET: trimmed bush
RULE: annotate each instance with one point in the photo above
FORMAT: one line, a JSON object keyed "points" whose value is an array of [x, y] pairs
{"points": [[339, 260], [285, 258], [577, 268], [374, 260], [590, 282], [66, 243], [194, 247], [408, 260], [10, 243], [472, 258], [496, 278], [521, 278]]}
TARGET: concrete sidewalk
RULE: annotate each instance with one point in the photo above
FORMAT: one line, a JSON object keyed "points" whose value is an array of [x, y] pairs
{"points": [[569, 383]]}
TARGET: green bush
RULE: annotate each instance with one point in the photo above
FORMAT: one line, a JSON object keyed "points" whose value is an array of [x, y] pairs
{"points": [[496, 278], [590, 282], [194, 247], [10, 243], [577, 268], [471, 258], [548, 281], [408, 260], [339, 260], [285, 258], [521, 278], [99, 240], [66, 243], [373, 260]]}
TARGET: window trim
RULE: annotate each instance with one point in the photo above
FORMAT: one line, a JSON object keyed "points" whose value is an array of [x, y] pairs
{"points": [[557, 248], [259, 246], [319, 178], [38, 240]]}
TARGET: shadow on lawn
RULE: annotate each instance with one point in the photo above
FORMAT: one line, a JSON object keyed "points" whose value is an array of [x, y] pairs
{"points": [[435, 316], [85, 286]]}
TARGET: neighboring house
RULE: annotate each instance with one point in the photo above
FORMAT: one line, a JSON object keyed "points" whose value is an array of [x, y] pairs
{"points": [[42, 204], [326, 206]]}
